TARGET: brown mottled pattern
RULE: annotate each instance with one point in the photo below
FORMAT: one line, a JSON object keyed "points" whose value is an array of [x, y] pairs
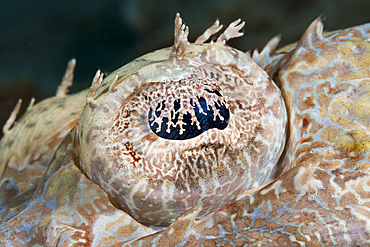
{"points": [[67, 209], [321, 197], [27, 150]]}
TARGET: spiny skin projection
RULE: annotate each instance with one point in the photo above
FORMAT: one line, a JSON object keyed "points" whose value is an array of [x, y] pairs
{"points": [[322, 197], [27, 148]]}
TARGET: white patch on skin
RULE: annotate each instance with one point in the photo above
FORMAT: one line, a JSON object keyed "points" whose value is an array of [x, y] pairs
{"points": [[251, 199], [310, 183], [343, 223], [298, 179], [314, 184], [308, 237], [170, 231], [318, 235], [209, 223], [361, 216], [293, 239], [223, 213], [275, 186]]}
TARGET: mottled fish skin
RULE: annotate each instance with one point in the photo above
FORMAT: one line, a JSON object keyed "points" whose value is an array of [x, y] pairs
{"points": [[319, 198], [27, 147], [67, 209], [63, 193], [322, 197]]}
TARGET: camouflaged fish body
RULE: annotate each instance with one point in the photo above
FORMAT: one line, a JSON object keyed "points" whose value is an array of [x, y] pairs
{"points": [[28, 146], [112, 171]]}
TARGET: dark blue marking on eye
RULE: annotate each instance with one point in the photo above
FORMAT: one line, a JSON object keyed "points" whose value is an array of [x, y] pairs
{"points": [[206, 121]]}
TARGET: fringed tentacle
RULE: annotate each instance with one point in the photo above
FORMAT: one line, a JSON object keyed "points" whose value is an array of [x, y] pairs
{"points": [[181, 42], [232, 31], [215, 28]]}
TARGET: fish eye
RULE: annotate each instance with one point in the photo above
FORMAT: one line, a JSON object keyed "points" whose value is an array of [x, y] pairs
{"points": [[190, 125]]}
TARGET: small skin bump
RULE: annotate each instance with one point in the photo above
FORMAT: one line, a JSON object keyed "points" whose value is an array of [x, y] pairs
{"points": [[30, 125], [9, 144], [305, 123], [92, 106]]}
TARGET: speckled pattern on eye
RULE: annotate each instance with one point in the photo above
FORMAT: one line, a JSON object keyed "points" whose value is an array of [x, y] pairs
{"points": [[195, 145]]}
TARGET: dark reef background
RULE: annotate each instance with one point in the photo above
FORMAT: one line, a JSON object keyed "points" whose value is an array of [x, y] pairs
{"points": [[39, 37]]}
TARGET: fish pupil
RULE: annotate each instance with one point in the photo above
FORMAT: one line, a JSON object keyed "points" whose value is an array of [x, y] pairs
{"points": [[206, 121]]}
